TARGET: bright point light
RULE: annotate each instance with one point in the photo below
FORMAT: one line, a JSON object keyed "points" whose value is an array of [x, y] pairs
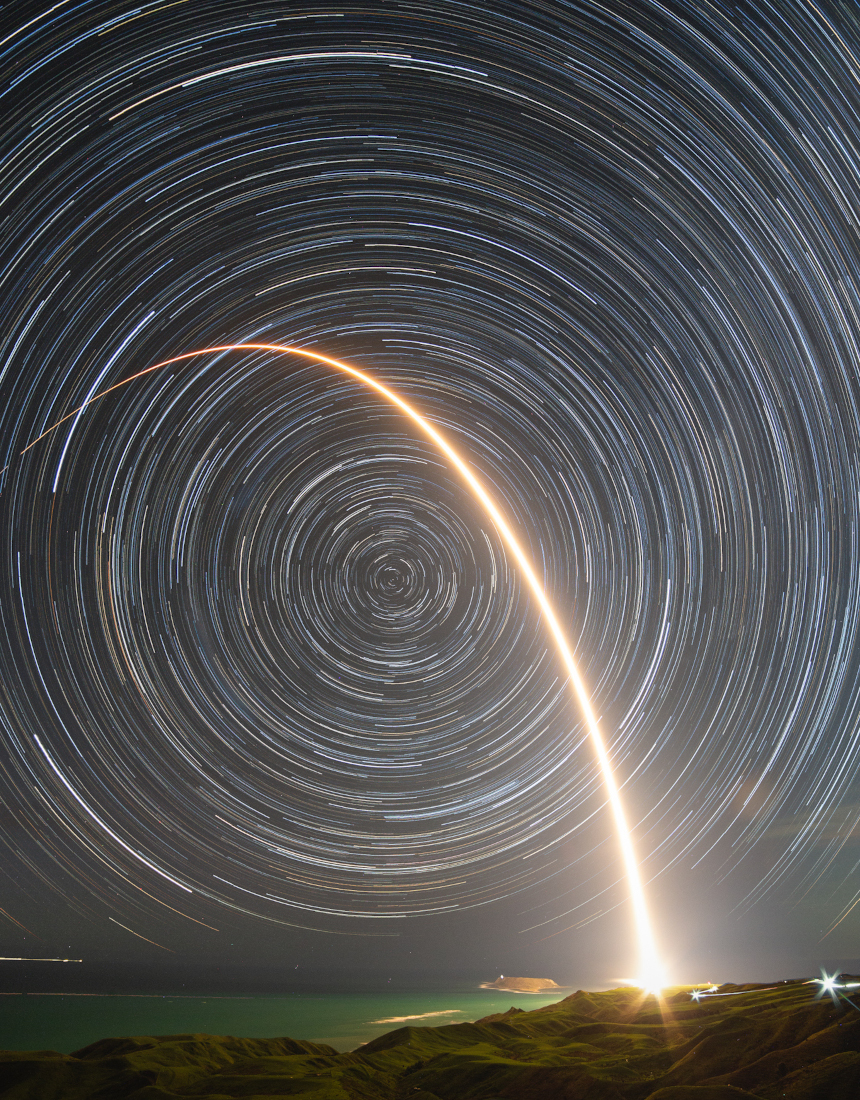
{"points": [[651, 978], [827, 983]]}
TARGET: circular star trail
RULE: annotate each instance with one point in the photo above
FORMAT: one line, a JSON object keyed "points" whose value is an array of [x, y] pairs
{"points": [[261, 652]]}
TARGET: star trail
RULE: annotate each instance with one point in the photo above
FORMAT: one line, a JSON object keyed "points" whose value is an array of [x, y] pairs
{"points": [[265, 660]]}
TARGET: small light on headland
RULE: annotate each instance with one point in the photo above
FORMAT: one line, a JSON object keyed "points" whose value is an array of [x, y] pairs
{"points": [[835, 985]]}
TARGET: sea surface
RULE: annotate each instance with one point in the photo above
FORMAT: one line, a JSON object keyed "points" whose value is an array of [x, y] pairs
{"points": [[67, 1022]]}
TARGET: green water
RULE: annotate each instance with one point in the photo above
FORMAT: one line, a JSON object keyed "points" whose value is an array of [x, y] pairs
{"points": [[67, 1022]]}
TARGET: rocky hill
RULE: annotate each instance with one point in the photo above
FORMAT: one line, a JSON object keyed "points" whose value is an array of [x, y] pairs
{"points": [[755, 1042]]}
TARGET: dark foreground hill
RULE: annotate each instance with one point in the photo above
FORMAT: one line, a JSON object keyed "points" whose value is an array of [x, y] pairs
{"points": [[767, 1042]]}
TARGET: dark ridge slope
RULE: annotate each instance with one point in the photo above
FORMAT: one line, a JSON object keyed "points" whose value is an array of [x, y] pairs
{"points": [[769, 1042]]}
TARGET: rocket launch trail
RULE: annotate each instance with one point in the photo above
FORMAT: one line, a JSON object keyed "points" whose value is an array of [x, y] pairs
{"points": [[651, 975]]}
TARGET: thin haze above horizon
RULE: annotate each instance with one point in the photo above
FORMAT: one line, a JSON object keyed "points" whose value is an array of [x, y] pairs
{"points": [[272, 693]]}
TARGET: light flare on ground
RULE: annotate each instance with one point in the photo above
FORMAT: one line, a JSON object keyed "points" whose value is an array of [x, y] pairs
{"points": [[835, 987], [651, 977]]}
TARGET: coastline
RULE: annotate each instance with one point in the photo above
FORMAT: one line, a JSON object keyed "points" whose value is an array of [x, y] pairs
{"points": [[747, 1040]]}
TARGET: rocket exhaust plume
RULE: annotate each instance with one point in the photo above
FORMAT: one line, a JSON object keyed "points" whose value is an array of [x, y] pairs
{"points": [[651, 976]]}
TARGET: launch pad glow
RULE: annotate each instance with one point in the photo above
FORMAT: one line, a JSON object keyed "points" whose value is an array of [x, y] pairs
{"points": [[651, 976]]}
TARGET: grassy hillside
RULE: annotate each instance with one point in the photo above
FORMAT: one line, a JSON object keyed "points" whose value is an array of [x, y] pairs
{"points": [[767, 1042]]}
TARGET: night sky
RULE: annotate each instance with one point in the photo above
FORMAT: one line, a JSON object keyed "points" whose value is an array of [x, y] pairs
{"points": [[274, 698]]}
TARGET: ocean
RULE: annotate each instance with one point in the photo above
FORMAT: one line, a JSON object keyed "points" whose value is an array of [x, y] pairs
{"points": [[67, 1022]]}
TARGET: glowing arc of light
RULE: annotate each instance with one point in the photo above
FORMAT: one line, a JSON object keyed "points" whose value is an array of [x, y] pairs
{"points": [[651, 976]]}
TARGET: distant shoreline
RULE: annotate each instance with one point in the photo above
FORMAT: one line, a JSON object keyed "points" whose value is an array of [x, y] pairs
{"points": [[537, 986], [794, 1043]]}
